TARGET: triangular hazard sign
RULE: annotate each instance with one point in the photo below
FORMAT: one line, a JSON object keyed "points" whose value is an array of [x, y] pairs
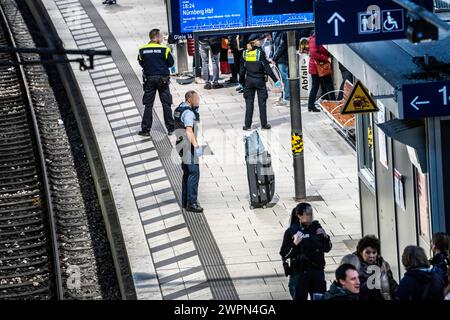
{"points": [[360, 101]]}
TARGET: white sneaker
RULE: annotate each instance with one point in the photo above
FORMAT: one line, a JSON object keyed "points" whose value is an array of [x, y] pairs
{"points": [[199, 80], [279, 103]]}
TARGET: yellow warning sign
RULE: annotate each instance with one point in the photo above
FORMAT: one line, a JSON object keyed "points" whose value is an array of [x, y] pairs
{"points": [[360, 101], [297, 143]]}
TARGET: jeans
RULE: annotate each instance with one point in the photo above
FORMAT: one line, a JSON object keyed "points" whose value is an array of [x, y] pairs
{"points": [[326, 83], [284, 70], [150, 88], [306, 282], [205, 49], [251, 87], [189, 188]]}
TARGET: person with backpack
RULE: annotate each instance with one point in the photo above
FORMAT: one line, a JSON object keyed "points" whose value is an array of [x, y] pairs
{"points": [[440, 243], [419, 281], [305, 243]]}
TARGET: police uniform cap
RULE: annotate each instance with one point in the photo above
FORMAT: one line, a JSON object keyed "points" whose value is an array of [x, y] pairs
{"points": [[253, 37]]}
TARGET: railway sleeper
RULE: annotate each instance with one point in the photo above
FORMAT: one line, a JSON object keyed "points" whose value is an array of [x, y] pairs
{"points": [[21, 232], [34, 264]]}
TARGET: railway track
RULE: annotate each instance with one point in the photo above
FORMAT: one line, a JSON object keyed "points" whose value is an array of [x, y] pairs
{"points": [[46, 247]]}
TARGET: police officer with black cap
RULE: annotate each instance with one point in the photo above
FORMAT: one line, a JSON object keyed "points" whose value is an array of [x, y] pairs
{"points": [[155, 60], [252, 76]]}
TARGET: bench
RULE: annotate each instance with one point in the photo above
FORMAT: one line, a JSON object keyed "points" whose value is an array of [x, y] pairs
{"points": [[333, 109]]}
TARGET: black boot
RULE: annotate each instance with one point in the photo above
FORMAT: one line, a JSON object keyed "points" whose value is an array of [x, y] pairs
{"points": [[194, 208]]}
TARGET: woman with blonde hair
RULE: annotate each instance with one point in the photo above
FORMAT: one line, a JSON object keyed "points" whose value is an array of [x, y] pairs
{"points": [[253, 75]]}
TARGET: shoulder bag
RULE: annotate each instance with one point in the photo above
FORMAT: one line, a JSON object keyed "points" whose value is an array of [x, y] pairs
{"points": [[323, 68]]}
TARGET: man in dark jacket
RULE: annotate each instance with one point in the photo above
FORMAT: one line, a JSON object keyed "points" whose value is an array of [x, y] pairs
{"points": [[440, 244], [346, 285], [421, 284], [155, 60], [280, 58], [305, 244], [237, 45]]}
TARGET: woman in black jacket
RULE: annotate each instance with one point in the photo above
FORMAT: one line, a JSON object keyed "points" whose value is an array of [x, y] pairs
{"points": [[419, 281], [304, 244]]}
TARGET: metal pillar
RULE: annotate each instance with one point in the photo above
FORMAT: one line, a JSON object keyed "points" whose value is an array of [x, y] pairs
{"points": [[197, 58], [296, 119], [182, 58]]}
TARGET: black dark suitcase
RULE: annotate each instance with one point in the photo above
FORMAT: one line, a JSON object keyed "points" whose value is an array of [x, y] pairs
{"points": [[261, 179]]}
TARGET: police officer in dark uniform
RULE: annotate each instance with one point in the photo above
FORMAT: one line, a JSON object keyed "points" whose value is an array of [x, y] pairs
{"points": [[186, 117], [155, 60], [252, 76], [304, 244]]}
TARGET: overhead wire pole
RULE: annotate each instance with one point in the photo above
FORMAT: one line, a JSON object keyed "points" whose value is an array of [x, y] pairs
{"points": [[296, 119]]}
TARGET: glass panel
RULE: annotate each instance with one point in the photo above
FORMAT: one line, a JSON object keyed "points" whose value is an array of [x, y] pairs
{"points": [[368, 142]]}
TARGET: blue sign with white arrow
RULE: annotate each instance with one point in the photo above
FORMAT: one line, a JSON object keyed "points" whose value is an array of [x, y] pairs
{"points": [[347, 21], [424, 100]]}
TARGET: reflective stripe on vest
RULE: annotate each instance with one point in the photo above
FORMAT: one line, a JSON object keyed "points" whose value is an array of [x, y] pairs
{"points": [[152, 47]]}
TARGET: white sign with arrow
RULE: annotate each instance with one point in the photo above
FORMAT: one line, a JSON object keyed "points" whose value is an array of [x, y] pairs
{"points": [[336, 17]]}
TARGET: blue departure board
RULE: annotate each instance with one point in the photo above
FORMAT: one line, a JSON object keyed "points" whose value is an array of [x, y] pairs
{"points": [[208, 15], [270, 7], [187, 16], [276, 19]]}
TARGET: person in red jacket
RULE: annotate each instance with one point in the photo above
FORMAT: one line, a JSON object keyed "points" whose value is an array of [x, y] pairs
{"points": [[318, 53]]}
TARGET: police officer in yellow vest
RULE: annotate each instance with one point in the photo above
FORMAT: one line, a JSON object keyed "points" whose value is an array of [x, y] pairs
{"points": [[155, 60], [252, 76]]}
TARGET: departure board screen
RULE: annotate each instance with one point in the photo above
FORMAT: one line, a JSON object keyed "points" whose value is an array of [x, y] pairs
{"points": [[270, 7], [187, 16], [198, 15], [275, 19]]}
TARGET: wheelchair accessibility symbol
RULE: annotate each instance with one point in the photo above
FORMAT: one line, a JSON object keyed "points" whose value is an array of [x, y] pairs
{"points": [[374, 20], [392, 20]]}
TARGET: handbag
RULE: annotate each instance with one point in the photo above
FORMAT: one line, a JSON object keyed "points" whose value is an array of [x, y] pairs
{"points": [[230, 57], [323, 68]]}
